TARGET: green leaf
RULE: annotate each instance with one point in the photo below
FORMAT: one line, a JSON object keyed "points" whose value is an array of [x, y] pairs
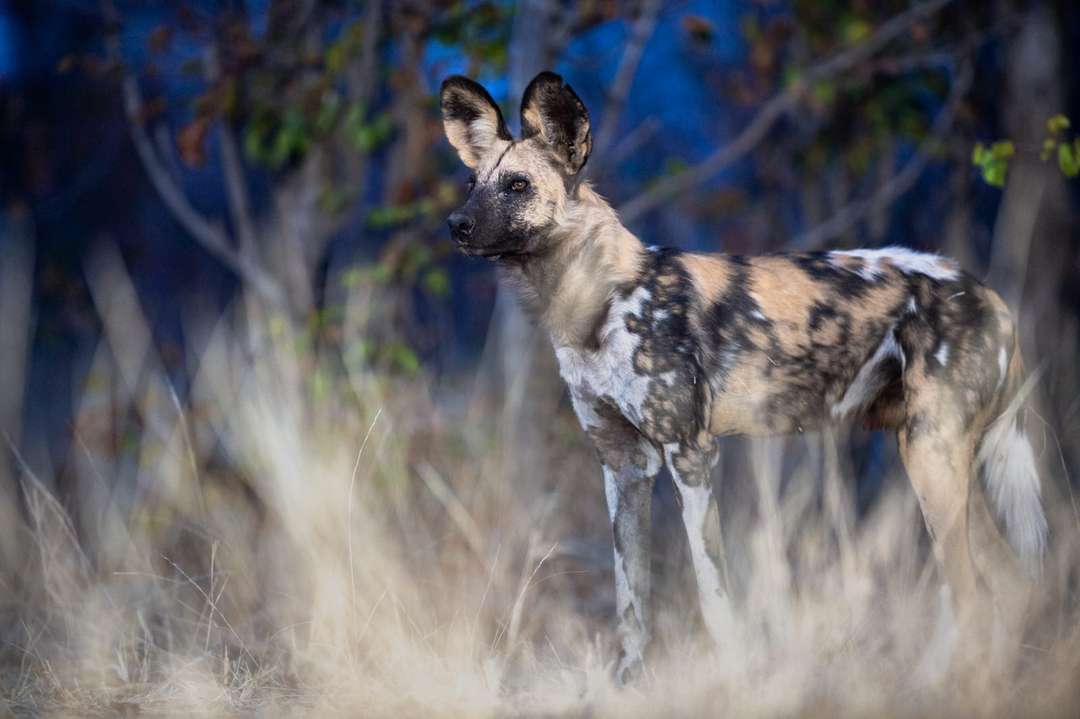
{"points": [[351, 278], [1069, 159], [375, 133], [279, 149], [291, 139], [320, 385], [790, 75], [335, 58], [253, 144], [1003, 148], [405, 358], [994, 172], [675, 166], [1057, 123], [824, 91], [856, 30], [977, 154], [436, 282], [1048, 146], [328, 113], [333, 201], [354, 117]]}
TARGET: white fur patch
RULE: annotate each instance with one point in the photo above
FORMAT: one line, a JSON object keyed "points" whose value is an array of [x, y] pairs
{"points": [[586, 414], [611, 492], [869, 381], [942, 355], [903, 259], [1003, 367], [716, 606], [1011, 477], [609, 371]]}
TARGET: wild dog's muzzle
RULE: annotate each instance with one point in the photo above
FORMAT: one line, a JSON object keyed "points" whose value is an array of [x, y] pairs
{"points": [[471, 241], [461, 227]]}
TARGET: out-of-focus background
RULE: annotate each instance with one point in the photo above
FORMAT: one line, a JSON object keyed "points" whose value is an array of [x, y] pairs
{"points": [[269, 446]]}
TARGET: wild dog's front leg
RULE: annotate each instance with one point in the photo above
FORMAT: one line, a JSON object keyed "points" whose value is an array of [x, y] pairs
{"points": [[690, 464], [629, 499], [631, 463]]}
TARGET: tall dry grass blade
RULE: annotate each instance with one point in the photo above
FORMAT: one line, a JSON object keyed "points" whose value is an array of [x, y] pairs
{"points": [[63, 564], [214, 608], [16, 331], [349, 523]]}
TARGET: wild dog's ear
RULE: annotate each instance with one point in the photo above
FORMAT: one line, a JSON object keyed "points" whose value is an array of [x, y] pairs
{"points": [[471, 119], [553, 111]]}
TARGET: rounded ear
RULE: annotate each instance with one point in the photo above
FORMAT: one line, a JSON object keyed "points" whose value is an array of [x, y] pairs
{"points": [[553, 111], [471, 119]]}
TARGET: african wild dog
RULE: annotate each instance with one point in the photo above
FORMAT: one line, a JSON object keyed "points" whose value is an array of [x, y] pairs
{"points": [[664, 349]]}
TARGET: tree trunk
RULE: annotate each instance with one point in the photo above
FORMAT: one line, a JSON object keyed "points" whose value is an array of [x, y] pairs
{"points": [[1034, 260], [516, 357]]}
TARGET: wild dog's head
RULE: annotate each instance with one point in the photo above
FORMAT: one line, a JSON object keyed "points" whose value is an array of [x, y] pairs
{"points": [[518, 186]]}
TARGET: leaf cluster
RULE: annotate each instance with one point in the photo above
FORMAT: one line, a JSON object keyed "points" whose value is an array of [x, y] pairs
{"points": [[993, 161]]}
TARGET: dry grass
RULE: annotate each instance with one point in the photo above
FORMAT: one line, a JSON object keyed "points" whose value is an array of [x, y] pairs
{"points": [[302, 536]]}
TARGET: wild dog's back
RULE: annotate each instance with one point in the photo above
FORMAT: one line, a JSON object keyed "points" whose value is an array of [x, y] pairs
{"points": [[790, 342]]}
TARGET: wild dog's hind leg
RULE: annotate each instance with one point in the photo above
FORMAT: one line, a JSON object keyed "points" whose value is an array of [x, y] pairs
{"points": [[1010, 586], [937, 454], [691, 463], [631, 464]]}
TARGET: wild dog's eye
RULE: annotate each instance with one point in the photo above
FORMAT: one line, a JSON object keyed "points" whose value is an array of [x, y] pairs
{"points": [[518, 185], [472, 182]]}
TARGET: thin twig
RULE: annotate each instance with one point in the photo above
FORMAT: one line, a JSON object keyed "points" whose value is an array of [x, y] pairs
{"points": [[624, 76], [232, 167]]}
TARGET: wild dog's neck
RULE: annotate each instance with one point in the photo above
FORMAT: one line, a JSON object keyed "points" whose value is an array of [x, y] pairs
{"points": [[589, 254]]}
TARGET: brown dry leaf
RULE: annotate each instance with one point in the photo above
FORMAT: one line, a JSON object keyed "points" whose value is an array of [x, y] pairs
{"points": [[191, 141]]}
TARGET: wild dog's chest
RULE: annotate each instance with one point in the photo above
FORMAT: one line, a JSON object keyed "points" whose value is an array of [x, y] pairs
{"points": [[644, 364]]}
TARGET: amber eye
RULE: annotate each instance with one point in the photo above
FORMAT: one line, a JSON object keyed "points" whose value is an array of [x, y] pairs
{"points": [[518, 185]]}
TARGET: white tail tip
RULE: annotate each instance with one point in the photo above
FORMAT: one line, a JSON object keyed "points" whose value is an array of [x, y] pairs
{"points": [[1013, 483]]}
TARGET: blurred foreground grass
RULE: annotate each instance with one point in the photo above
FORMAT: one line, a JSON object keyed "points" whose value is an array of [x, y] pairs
{"points": [[300, 535]]}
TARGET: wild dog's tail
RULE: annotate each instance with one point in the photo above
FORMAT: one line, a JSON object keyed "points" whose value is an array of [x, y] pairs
{"points": [[1011, 477]]}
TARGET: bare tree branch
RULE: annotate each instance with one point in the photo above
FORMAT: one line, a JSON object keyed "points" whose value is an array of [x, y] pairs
{"points": [[625, 147], [210, 235], [232, 166], [774, 109], [624, 76], [900, 183]]}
